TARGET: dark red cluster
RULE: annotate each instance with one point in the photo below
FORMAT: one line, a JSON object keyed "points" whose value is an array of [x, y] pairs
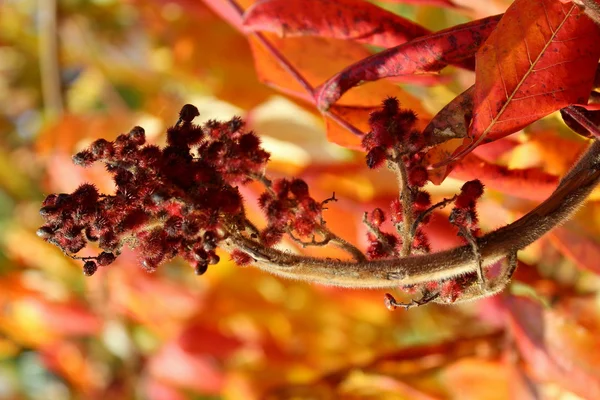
{"points": [[289, 209], [464, 213], [391, 128], [393, 138], [176, 200]]}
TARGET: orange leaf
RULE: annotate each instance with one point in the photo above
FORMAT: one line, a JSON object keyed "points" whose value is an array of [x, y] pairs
{"points": [[341, 19], [542, 57]]}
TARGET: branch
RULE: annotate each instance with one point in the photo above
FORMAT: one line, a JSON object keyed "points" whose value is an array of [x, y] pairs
{"points": [[569, 195]]}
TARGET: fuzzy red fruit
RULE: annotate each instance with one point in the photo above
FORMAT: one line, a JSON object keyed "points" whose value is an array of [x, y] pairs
{"points": [[137, 135], [271, 236], [464, 202], [472, 189], [304, 225], [89, 268], [396, 209], [249, 143], [391, 105], [105, 258], [281, 187], [299, 188], [84, 158], [240, 258], [417, 176], [376, 251], [421, 201], [188, 113], [377, 217], [376, 157]]}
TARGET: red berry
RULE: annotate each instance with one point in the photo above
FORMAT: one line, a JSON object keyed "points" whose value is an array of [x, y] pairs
{"points": [[271, 236], [377, 217], [84, 158], [472, 189], [464, 202], [200, 268], [249, 143], [137, 135], [188, 113], [421, 201], [105, 258], [89, 268], [396, 211], [240, 258], [376, 157], [299, 188], [417, 176], [391, 105]]}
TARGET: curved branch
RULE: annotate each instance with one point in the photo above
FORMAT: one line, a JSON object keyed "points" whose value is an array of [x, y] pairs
{"points": [[569, 195]]}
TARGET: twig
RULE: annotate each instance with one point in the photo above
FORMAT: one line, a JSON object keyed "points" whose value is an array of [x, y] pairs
{"points": [[343, 244], [378, 234], [392, 303], [425, 213]]}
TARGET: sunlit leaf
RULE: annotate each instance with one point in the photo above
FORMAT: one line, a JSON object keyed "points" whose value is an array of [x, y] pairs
{"points": [[525, 69], [342, 19]]}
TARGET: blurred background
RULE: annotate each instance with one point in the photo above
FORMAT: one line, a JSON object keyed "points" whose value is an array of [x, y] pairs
{"points": [[72, 71]]}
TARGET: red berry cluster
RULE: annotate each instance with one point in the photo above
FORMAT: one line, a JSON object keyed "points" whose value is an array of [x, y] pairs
{"points": [[464, 216], [176, 200], [392, 128], [464, 213], [289, 209], [393, 138], [381, 244]]}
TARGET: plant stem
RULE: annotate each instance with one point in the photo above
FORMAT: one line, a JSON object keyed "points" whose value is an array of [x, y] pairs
{"points": [[569, 195], [406, 199]]}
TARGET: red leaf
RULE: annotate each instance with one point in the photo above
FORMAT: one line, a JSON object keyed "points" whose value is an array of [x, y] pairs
{"points": [[341, 19], [542, 57], [426, 54]]}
